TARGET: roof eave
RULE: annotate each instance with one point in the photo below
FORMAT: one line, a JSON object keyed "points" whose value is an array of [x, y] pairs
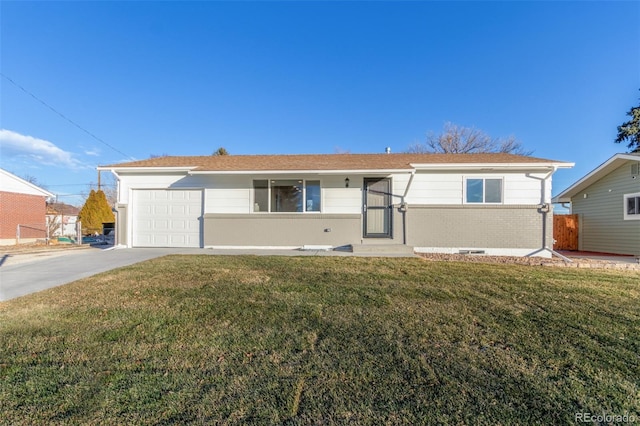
{"points": [[591, 177], [297, 172], [492, 166], [156, 169]]}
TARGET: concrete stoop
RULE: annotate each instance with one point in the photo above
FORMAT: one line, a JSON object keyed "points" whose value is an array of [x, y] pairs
{"points": [[381, 249]]}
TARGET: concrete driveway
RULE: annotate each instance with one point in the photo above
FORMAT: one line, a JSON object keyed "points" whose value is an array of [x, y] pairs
{"points": [[27, 274]]}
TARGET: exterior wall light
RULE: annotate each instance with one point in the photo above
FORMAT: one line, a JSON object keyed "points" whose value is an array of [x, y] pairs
{"points": [[346, 183]]}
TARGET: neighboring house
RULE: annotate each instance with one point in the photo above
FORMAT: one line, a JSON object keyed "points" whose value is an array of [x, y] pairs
{"points": [[21, 203], [61, 219], [495, 203], [607, 202]]}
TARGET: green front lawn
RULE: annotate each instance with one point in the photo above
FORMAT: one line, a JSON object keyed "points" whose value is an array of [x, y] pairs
{"points": [[234, 340]]}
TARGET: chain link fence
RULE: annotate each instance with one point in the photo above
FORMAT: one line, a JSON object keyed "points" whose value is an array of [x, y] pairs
{"points": [[42, 233], [27, 233]]}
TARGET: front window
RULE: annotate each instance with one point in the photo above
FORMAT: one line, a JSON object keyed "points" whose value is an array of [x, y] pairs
{"points": [[632, 206], [313, 196], [484, 190], [260, 195], [286, 196]]}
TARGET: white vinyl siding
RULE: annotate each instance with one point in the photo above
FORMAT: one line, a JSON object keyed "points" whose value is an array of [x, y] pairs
{"points": [[448, 188], [519, 189], [234, 194], [436, 189], [337, 198]]}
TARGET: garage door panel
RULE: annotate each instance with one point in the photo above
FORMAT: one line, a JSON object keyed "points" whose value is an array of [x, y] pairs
{"points": [[144, 209], [166, 218], [160, 210], [143, 195], [179, 225], [178, 240], [179, 210]]}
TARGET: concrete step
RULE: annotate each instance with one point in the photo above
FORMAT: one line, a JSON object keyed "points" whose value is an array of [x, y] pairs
{"points": [[381, 248]]}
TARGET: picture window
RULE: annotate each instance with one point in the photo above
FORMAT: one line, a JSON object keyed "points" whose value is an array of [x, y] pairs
{"points": [[286, 196]]}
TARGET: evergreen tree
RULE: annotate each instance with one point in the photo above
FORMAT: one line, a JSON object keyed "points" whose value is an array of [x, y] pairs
{"points": [[630, 130], [95, 212]]}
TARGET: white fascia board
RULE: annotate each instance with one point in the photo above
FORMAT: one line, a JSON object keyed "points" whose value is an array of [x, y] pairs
{"points": [[632, 157], [593, 176], [492, 166], [299, 172], [146, 169]]}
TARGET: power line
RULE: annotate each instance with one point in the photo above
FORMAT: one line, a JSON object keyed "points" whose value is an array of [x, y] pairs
{"points": [[82, 184], [64, 116]]}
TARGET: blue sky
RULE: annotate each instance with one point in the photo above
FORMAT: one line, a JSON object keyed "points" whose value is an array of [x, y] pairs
{"points": [[184, 78]]}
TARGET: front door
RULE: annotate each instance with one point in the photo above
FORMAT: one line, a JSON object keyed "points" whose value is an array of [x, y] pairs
{"points": [[377, 208]]}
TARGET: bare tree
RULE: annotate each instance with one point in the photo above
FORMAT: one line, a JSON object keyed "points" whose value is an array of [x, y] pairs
{"points": [[54, 225], [110, 189], [467, 140], [33, 180]]}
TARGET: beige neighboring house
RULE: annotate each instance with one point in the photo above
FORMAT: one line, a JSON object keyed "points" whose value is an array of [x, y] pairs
{"points": [[486, 203], [62, 219], [607, 202]]}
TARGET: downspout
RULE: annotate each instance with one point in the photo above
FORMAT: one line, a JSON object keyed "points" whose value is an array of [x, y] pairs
{"points": [[116, 240], [403, 207], [544, 210]]}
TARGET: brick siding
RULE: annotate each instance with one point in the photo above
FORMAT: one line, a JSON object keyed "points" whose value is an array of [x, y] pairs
{"points": [[18, 209]]}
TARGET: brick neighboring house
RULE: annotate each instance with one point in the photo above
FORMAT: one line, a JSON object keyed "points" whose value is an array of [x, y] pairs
{"points": [[21, 203]]}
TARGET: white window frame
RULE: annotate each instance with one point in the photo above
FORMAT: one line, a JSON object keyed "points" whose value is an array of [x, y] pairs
{"points": [[627, 216], [304, 195], [484, 178]]}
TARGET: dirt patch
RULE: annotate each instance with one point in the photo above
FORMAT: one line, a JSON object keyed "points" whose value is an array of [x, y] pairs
{"points": [[39, 248], [13, 255], [532, 261]]}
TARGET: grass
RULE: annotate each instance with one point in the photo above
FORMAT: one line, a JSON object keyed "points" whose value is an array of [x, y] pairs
{"points": [[278, 340]]}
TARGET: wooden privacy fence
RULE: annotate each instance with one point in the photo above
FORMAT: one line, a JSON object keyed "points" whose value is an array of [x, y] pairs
{"points": [[565, 232]]}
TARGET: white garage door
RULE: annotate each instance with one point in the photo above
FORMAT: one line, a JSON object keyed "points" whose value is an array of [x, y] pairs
{"points": [[166, 218]]}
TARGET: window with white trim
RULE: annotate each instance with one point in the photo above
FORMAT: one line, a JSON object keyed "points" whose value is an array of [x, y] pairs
{"points": [[483, 190], [632, 206], [286, 196]]}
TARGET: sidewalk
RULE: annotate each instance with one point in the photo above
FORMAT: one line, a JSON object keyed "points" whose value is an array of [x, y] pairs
{"points": [[605, 257]]}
